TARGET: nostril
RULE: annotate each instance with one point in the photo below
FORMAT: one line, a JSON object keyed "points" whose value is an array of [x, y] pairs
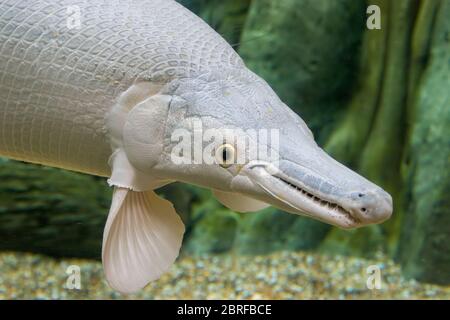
{"points": [[371, 206]]}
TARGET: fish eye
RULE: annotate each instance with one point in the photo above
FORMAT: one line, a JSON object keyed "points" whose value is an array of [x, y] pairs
{"points": [[225, 155]]}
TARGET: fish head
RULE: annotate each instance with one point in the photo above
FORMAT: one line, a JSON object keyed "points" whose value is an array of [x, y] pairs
{"points": [[229, 131]]}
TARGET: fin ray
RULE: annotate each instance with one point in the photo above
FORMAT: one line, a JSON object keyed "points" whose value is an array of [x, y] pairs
{"points": [[142, 239]]}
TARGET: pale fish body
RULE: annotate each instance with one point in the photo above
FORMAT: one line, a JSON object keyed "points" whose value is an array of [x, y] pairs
{"points": [[57, 84], [105, 98]]}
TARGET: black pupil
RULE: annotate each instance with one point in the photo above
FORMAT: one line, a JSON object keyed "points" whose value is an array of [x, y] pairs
{"points": [[224, 155]]}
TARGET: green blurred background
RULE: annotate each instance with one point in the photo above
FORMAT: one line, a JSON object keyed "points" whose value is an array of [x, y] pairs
{"points": [[376, 100]]}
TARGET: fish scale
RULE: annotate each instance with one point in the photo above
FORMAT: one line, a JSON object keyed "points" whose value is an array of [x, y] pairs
{"points": [[106, 99], [58, 84]]}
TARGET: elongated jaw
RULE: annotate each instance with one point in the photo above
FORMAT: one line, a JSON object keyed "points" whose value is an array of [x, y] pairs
{"points": [[345, 209]]}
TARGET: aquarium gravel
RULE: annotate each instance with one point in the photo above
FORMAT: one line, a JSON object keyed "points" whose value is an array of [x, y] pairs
{"points": [[284, 275]]}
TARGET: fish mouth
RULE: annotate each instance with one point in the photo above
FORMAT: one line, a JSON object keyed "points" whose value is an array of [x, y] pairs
{"points": [[299, 199], [333, 209]]}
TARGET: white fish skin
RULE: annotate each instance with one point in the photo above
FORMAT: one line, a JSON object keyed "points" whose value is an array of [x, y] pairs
{"points": [[57, 84], [103, 99], [65, 95]]}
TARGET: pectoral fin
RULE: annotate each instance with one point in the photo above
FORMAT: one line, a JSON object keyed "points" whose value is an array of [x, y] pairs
{"points": [[238, 202], [142, 239]]}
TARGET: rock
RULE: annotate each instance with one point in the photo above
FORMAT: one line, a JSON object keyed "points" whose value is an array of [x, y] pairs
{"points": [[306, 50], [263, 232], [364, 242], [226, 17], [425, 239], [214, 229], [51, 211], [272, 229], [305, 234]]}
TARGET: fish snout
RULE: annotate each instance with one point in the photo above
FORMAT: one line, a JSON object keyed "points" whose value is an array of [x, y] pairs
{"points": [[369, 207]]}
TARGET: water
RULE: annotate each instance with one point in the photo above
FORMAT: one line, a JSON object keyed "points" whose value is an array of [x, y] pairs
{"points": [[376, 100]]}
